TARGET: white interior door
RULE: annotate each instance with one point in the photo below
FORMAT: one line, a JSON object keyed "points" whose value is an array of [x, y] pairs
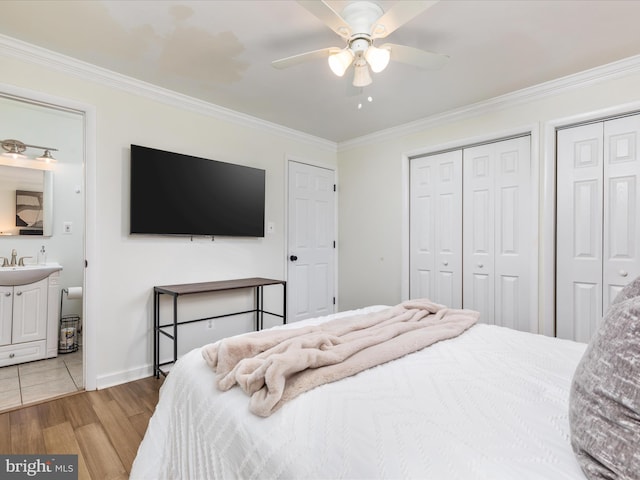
{"points": [[311, 242], [621, 262], [435, 235], [579, 218], [598, 217], [479, 225], [497, 243]]}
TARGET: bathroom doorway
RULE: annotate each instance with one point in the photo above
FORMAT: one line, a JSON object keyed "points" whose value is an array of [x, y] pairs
{"points": [[34, 122]]}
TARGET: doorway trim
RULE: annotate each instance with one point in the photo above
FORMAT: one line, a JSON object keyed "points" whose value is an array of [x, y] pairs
{"points": [[89, 302]]}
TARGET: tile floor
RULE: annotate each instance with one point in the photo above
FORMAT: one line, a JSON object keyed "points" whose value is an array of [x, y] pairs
{"points": [[35, 381]]}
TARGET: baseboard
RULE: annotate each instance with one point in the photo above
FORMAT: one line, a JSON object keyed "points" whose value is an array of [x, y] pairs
{"points": [[113, 379]]}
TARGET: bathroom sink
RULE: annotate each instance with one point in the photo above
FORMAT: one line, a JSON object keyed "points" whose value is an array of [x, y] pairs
{"points": [[26, 274]]}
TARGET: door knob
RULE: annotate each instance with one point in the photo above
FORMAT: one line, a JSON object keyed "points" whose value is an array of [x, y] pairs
{"points": [[623, 273], [445, 263], [293, 258], [480, 265]]}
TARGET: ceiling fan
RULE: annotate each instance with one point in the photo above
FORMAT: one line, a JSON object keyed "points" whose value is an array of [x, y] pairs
{"points": [[361, 23]]}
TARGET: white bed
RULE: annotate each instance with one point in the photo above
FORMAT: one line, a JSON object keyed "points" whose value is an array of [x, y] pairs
{"points": [[489, 404]]}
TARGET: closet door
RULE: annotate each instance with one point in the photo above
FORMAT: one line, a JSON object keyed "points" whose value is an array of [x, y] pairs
{"points": [[598, 216], [436, 228], [621, 262], [579, 216], [497, 241]]}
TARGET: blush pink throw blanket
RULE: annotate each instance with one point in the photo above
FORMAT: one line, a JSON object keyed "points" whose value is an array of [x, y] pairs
{"points": [[274, 366]]}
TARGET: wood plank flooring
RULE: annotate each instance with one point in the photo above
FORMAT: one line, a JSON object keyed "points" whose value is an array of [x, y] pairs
{"points": [[103, 427]]}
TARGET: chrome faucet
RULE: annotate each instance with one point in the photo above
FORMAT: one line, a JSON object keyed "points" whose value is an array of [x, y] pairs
{"points": [[14, 258]]}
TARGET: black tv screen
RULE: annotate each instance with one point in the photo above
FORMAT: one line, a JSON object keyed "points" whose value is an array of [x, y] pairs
{"points": [[175, 194]]}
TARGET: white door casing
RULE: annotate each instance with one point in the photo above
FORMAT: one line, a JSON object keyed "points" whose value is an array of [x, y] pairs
{"points": [[497, 241], [435, 235], [311, 241]]}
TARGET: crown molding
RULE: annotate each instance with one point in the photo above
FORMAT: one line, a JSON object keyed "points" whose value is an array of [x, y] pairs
{"points": [[40, 56], [537, 92], [46, 58]]}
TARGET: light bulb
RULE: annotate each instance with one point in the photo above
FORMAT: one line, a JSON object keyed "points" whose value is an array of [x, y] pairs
{"points": [[361, 76], [378, 58], [339, 62], [46, 157]]}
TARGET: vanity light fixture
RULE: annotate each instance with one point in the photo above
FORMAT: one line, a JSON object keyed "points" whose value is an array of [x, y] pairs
{"points": [[15, 149], [47, 157]]}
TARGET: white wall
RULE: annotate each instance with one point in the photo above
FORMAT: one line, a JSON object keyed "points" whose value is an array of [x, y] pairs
{"points": [[127, 267], [373, 174]]}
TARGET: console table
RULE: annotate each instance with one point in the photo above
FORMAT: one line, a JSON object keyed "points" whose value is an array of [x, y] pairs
{"points": [[175, 291]]}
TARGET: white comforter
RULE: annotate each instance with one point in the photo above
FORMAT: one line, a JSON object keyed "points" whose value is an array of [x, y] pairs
{"points": [[490, 404]]}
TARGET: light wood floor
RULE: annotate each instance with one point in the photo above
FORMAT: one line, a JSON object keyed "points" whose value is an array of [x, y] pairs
{"points": [[103, 427]]}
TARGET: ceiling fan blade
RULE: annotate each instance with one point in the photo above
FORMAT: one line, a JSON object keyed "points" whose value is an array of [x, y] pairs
{"points": [[398, 15], [328, 16], [415, 56], [304, 57]]}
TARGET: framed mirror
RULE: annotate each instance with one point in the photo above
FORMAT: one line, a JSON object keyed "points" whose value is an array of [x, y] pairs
{"points": [[26, 201]]}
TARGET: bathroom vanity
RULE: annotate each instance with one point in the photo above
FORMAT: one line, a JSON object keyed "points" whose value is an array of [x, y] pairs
{"points": [[29, 301]]}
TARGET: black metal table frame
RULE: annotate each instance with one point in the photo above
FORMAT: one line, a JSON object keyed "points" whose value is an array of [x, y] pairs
{"points": [[176, 291]]}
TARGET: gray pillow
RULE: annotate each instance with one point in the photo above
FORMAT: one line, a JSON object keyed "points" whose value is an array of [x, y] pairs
{"points": [[630, 290], [604, 403]]}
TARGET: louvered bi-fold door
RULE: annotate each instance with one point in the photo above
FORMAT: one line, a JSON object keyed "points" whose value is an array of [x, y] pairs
{"points": [[598, 213], [436, 228], [497, 242]]}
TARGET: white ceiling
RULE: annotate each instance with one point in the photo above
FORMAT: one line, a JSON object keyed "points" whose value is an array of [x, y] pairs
{"points": [[221, 52]]}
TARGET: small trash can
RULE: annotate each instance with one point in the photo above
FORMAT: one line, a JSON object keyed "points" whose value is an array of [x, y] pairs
{"points": [[68, 337]]}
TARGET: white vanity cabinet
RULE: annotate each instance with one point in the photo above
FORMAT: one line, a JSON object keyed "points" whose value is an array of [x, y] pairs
{"points": [[28, 321]]}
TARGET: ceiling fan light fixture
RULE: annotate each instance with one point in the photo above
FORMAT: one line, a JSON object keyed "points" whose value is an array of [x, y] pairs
{"points": [[339, 62], [361, 76], [378, 58]]}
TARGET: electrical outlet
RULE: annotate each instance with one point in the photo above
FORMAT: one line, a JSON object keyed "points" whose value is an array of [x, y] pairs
{"points": [[210, 324], [67, 227]]}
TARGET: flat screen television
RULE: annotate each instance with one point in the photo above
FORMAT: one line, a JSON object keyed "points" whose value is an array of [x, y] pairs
{"points": [[175, 194]]}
